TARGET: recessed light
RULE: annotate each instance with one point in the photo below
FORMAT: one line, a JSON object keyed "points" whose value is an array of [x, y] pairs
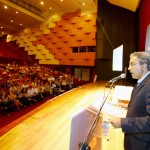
{"points": [[83, 4], [16, 12], [3, 33], [61, 0], [11, 21], [50, 7], [1, 27], [20, 24], [42, 3], [5, 7]]}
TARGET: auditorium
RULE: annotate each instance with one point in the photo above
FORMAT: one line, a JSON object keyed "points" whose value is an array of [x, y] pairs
{"points": [[74, 75]]}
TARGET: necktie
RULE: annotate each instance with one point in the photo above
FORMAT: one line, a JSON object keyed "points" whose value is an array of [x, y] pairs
{"points": [[136, 85], [133, 91], [134, 88]]}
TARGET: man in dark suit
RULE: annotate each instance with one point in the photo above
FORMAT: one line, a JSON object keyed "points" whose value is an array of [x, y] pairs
{"points": [[136, 125]]}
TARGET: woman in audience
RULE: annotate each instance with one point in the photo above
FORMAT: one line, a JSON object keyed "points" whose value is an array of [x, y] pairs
{"points": [[4, 101], [12, 100], [25, 85]]}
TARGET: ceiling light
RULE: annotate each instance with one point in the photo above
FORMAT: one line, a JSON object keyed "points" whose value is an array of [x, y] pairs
{"points": [[1, 27], [61, 0], [5, 7], [11, 21], [3, 33], [16, 12], [42, 3], [20, 24], [50, 7], [83, 4]]}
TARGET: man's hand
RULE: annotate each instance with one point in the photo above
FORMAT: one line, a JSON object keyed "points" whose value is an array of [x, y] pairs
{"points": [[116, 122], [123, 105]]}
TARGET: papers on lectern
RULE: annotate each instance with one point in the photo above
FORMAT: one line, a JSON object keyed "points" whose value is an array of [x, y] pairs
{"points": [[108, 108]]}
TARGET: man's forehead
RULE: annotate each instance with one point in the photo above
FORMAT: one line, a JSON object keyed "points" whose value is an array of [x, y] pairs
{"points": [[133, 59]]}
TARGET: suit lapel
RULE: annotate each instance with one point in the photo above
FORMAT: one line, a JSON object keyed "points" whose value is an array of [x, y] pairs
{"points": [[136, 88]]}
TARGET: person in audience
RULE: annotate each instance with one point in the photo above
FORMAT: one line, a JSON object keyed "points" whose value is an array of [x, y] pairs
{"points": [[4, 102], [48, 88], [136, 125], [31, 94], [12, 101], [24, 99], [25, 85], [53, 85]]}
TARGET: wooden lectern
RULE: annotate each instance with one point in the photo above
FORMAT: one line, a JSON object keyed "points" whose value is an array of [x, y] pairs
{"points": [[83, 120], [81, 123]]}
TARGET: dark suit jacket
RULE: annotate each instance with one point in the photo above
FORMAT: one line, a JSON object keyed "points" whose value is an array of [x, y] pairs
{"points": [[136, 125]]}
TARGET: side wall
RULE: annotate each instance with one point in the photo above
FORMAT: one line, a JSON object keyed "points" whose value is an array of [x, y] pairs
{"points": [[144, 21], [115, 26]]}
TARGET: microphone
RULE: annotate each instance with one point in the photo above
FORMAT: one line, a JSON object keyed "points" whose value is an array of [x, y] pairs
{"points": [[122, 76]]}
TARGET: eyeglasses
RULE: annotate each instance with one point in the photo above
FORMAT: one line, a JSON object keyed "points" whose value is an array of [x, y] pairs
{"points": [[133, 64], [138, 63]]}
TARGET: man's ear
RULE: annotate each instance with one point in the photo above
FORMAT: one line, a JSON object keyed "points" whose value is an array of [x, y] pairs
{"points": [[145, 66]]}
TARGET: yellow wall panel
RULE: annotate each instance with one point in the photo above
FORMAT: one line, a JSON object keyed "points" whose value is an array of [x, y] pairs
{"points": [[55, 38], [39, 56], [21, 44], [51, 25], [40, 46], [46, 31], [55, 18], [38, 32], [33, 48], [26, 48], [31, 52], [74, 20], [32, 38], [53, 62], [10, 38]]}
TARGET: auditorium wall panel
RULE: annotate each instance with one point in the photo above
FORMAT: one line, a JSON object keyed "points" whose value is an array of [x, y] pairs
{"points": [[58, 34]]}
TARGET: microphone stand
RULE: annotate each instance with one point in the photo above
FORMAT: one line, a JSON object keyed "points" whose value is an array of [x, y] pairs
{"points": [[83, 145]]}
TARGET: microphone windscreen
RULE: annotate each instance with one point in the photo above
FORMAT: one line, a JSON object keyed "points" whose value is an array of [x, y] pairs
{"points": [[123, 75]]}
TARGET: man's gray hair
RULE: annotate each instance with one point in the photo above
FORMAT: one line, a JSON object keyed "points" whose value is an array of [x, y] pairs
{"points": [[143, 58]]}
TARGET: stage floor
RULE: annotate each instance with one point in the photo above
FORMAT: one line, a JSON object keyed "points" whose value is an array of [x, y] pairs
{"points": [[49, 128]]}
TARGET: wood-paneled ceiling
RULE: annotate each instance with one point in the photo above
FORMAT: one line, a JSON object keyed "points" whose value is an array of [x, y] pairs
{"points": [[24, 13]]}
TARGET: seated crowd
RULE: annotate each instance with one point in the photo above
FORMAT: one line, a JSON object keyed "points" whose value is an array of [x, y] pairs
{"points": [[22, 86]]}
